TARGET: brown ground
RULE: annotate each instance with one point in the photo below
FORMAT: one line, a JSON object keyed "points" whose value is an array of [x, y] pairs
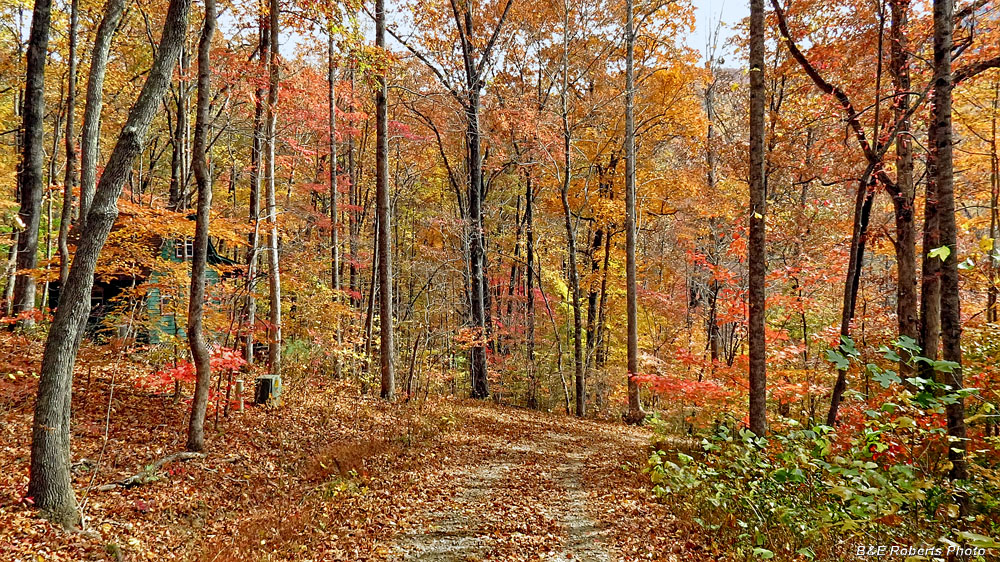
{"points": [[332, 475]]}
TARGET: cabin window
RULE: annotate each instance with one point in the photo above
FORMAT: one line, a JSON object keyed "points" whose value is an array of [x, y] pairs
{"points": [[184, 249]]}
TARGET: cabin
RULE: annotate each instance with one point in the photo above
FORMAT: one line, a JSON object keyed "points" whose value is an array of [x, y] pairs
{"points": [[160, 322], [162, 309]]}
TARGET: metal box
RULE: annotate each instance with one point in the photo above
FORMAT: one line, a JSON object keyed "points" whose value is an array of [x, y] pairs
{"points": [[267, 390]]}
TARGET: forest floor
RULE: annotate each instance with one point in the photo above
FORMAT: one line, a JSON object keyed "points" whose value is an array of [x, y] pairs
{"points": [[335, 475]]}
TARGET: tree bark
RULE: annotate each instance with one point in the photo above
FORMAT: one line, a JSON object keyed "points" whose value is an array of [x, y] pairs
{"points": [[951, 316], [90, 138], [635, 413], [991, 259], [477, 359], [386, 351], [30, 179], [256, 157], [50, 484], [70, 178], [907, 300], [196, 306], [757, 249], [334, 206], [529, 291], [573, 272], [274, 273], [177, 199]]}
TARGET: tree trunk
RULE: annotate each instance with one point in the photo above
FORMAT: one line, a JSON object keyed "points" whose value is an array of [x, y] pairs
{"points": [[757, 249], [179, 156], [30, 180], [386, 350], [334, 206], [574, 274], [856, 260], [991, 260], [90, 141], [256, 157], [274, 274], [635, 413], [529, 291], [50, 484], [907, 302], [196, 306], [951, 316], [70, 179], [477, 359]]}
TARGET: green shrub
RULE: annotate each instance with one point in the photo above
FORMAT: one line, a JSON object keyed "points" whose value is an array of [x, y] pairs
{"points": [[816, 493]]}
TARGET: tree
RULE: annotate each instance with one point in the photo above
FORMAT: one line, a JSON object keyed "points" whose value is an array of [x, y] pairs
{"points": [[30, 181], [635, 413], [468, 94], [70, 179], [92, 112], [270, 133], [196, 305], [50, 483], [386, 351], [574, 274], [758, 208], [944, 183]]}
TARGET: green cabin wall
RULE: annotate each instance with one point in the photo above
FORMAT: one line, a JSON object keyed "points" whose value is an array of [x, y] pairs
{"points": [[163, 325]]}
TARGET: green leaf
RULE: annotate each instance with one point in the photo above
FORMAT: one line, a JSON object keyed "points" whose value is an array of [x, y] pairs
{"points": [[886, 378], [838, 360], [967, 264], [807, 552], [847, 345], [946, 366], [942, 253], [908, 343], [763, 553], [977, 540]]}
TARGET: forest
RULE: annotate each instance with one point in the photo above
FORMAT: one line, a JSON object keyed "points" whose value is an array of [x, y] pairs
{"points": [[494, 280]]}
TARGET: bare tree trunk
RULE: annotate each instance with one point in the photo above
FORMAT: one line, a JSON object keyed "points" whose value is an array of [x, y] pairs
{"points": [[50, 484], [907, 301], [66, 216], [334, 205], [951, 316], [179, 156], [386, 350], [573, 273], [274, 274], [757, 248], [334, 210], [256, 157], [992, 261], [90, 141], [30, 179], [196, 306], [635, 413], [529, 291]]}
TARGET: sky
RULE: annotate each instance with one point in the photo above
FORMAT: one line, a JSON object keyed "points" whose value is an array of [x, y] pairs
{"points": [[707, 14]]}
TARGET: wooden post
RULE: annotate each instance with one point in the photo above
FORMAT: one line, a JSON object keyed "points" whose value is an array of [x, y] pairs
{"points": [[239, 396]]}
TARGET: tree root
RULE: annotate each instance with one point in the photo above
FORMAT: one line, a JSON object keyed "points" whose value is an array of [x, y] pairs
{"points": [[149, 473]]}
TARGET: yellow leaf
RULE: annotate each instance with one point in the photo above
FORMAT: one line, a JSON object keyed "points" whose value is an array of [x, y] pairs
{"points": [[986, 244]]}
